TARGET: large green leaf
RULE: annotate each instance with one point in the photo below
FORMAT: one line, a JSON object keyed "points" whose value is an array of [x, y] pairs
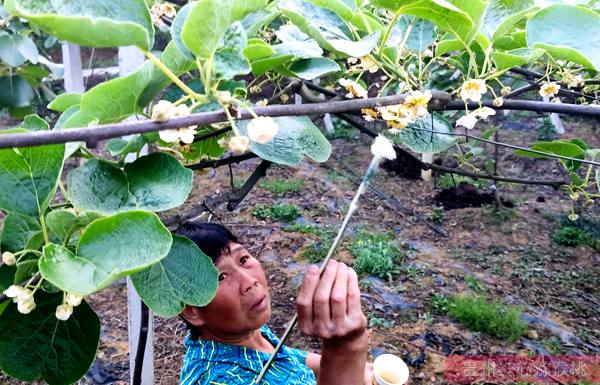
{"points": [[9, 48], [296, 42], [28, 177], [516, 57], [208, 20], [94, 23], [327, 28], [418, 136], [155, 182], [567, 32], [421, 35], [312, 68], [61, 224], [38, 345], [186, 276], [296, 136], [501, 15], [65, 101], [344, 8], [108, 249], [254, 21], [15, 92], [444, 14], [176, 29], [21, 232], [557, 147], [119, 98]]}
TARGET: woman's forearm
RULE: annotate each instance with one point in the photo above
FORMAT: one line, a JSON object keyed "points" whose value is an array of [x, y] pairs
{"points": [[343, 361]]}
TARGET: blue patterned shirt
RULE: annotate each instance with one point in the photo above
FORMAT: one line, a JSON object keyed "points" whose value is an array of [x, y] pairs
{"points": [[215, 363]]}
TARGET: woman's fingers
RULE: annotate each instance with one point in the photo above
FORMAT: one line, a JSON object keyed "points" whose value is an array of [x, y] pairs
{"points": [[321, 306], [339, 295], [304, 300]]}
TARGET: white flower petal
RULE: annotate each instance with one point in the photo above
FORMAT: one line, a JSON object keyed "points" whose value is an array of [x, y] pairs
{"points": [[169, 136], [383, 148]]}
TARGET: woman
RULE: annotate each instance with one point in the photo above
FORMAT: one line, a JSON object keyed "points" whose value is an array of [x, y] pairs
{"points": [[229, 341]]}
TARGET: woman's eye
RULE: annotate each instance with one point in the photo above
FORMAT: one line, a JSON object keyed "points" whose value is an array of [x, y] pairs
{"points": [[243, 260], [221, 276]]}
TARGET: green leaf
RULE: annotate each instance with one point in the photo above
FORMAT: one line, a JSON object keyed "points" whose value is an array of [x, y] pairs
{"points": [[34, 123], [421, 36], [108, 249], [418, 137], [155, 182], [501, 15], [21, 232], [15, 92], [94, 23], [517, 57], [28, 177], [568, 33], [64, 101], [186, 276], [8, 50], [27, 267], [445, 46], [344, 8], [7, 276], [254, 21], [258, 51], [230, 62], [444, 14], [122, 147], [176, 29], [312, 68], [296, 42], [119, 98], [208, 20], [261, 66], [61, 224], [296, 136], [38, 345], [327, 28], [557, 147]]}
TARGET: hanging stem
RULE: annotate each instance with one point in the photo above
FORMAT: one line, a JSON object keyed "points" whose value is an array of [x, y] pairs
{"points": [[173, 77]]}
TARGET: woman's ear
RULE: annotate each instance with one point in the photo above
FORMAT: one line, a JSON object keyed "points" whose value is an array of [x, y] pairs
{"points": [[193, 315]]}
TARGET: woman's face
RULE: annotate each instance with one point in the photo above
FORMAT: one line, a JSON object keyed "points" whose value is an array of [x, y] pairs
{"points": [[242, 303]]}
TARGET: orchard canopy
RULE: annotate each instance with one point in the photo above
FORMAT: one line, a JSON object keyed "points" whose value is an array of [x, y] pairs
{"points": [[419, 72]]}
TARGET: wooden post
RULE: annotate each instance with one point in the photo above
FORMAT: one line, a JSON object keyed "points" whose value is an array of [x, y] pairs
{"points": [[426, 157], [555, 119], [130, 59], [73, 75]]}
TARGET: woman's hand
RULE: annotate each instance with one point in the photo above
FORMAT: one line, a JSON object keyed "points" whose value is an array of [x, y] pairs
{"points": [[329, 308]]}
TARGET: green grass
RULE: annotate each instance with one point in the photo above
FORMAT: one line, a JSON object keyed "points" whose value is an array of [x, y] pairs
{"points": [[279, 187], [496, 319], [584, 231], [447, 181], [317, 250], [283, 212], [376, 253]]}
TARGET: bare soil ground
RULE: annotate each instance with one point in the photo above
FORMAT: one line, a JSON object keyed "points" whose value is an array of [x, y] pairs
{"points": [[509, 252]]}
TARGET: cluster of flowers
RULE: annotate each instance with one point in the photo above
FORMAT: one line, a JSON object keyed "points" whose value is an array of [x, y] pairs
{"points": [[260, 130], [165, 110], [474, 89], [160, 10], [23, 297], [397, 116]]}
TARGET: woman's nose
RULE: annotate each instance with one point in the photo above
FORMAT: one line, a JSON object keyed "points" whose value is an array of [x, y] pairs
{"points": [[247, 282]]}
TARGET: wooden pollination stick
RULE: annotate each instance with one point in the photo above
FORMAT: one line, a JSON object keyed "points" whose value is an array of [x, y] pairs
{"points": [[353, 206]]}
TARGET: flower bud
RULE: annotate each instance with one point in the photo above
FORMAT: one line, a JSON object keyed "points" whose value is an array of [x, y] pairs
{"points": [[9, 258], [573, 217], [262, 129], [73, 299], [239, 144], [574, 196], [25, 306], [505, 91], [498, 102], [13, 291], [63, 312]]}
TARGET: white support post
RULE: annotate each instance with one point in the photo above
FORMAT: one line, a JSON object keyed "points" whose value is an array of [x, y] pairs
{"points": [[327, 117], [73, 76], [555, 119], [130, 59], [426, 157]]}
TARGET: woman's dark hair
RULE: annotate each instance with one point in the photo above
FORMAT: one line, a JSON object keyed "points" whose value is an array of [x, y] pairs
{"points": [[213, 239]]}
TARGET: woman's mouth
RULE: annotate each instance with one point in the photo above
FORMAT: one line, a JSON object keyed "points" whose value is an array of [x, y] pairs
{"points": [[259, 304]]}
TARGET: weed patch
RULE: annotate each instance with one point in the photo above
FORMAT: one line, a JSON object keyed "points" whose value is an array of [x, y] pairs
{"points": [[283, 212]]}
